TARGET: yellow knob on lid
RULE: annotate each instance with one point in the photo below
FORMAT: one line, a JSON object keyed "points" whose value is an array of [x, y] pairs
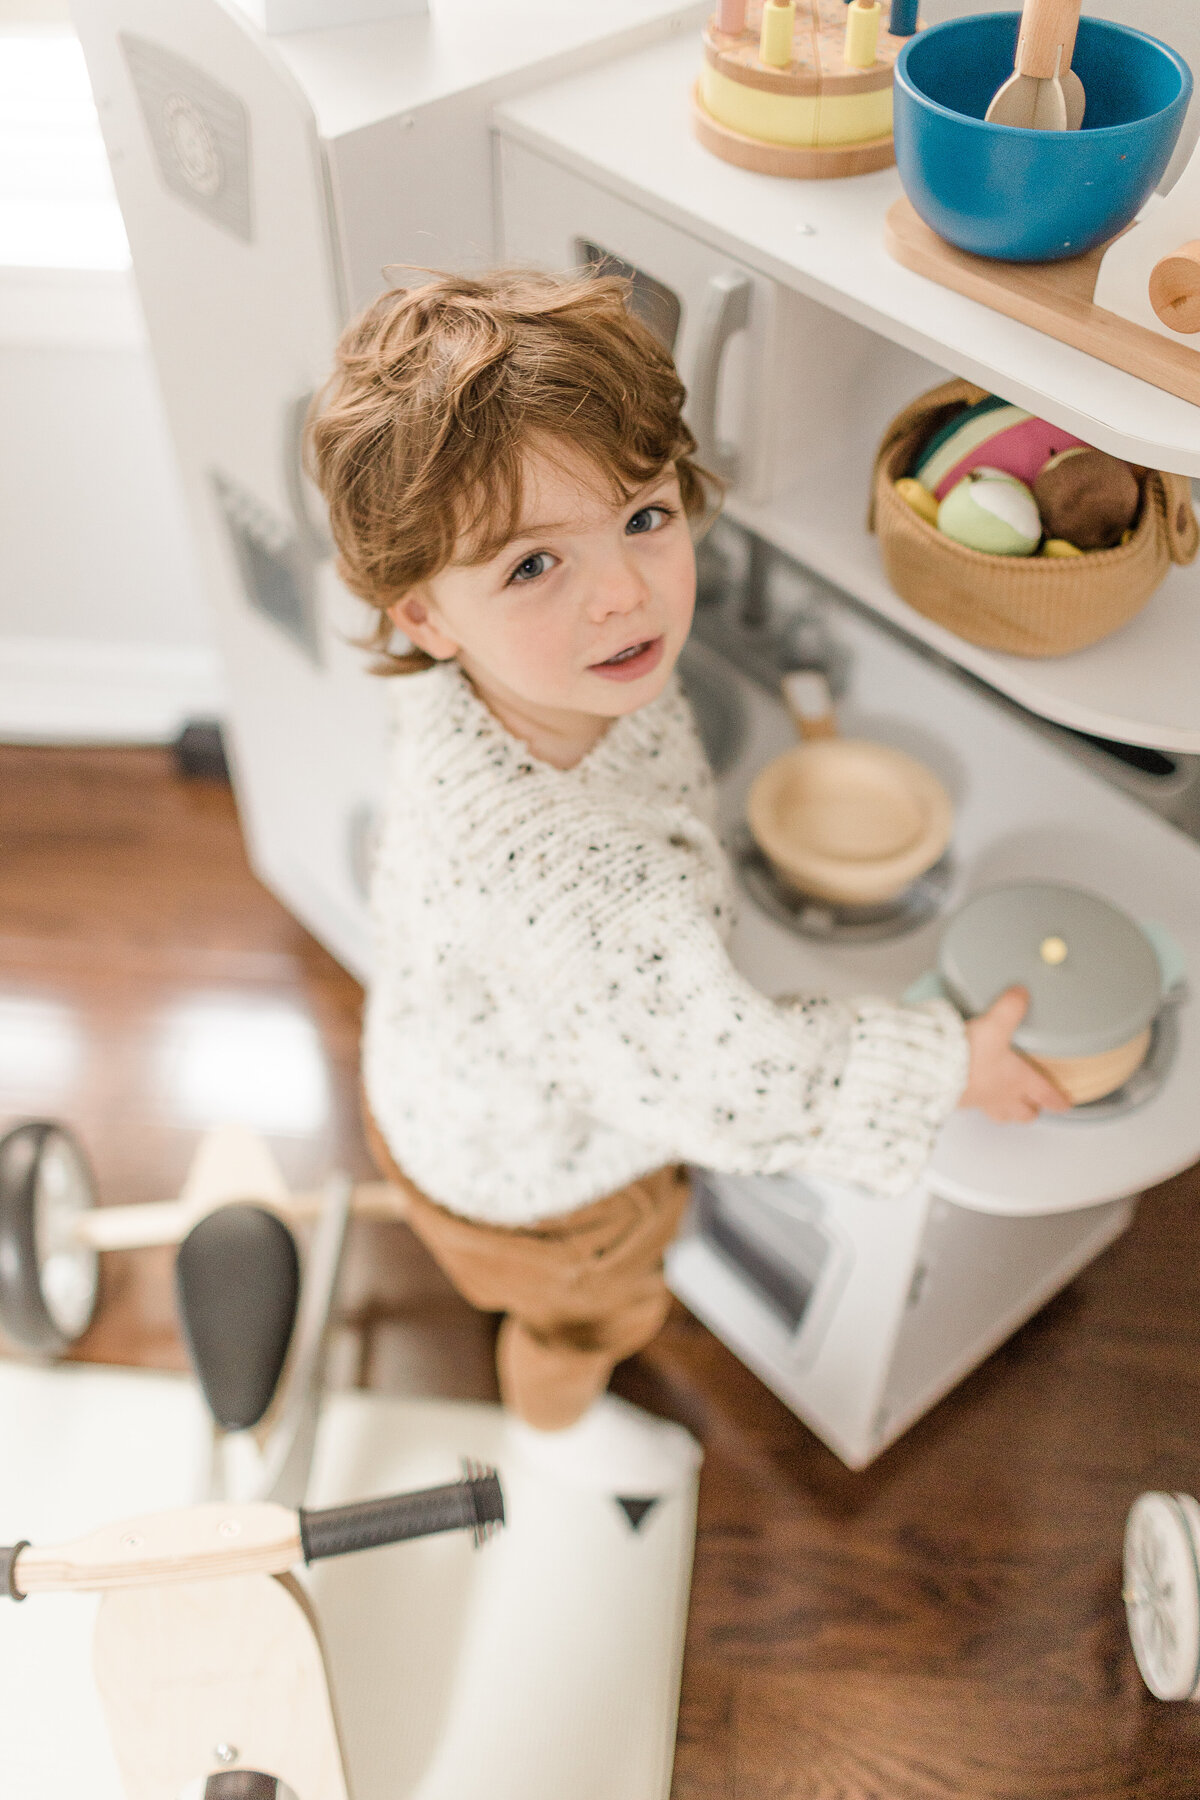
{"points": [[1053, 951]]}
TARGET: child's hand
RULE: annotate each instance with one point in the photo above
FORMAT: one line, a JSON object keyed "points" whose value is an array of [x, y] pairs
{"points": [[1000, 1082]]}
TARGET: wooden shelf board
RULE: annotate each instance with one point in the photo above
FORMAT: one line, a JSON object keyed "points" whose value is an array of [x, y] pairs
{"points": [[1053, 297]]}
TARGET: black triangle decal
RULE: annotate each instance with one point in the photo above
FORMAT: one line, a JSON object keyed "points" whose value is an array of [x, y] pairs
{"points": [[635, 1510]]}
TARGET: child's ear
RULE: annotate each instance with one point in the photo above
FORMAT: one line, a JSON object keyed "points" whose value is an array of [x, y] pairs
{"points": [[416, 617]]}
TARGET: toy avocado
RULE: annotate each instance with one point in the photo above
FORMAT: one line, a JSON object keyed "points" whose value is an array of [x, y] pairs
{"points": [[1087, 497]]}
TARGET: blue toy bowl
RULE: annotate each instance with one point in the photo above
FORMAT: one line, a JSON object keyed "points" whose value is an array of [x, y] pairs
{"points": [[1033, 196]]}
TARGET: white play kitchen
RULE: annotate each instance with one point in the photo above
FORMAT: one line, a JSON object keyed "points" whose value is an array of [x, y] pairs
{"points": [[944, 664], [275, 169]]}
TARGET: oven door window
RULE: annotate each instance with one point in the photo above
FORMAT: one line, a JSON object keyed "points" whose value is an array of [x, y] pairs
{"points": [[766, 1229]]}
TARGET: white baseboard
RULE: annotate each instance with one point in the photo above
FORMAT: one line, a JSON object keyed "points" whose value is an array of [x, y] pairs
{"points": [[70, 691]]}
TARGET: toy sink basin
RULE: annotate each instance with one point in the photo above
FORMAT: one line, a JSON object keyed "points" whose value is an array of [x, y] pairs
{"points": [[1033, 196], [848, 821]]}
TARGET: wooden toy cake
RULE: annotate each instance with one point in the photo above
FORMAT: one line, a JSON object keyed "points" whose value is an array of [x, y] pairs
{"points": [[798, 87]]}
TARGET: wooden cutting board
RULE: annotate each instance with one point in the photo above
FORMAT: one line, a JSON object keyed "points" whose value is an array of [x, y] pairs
{"points": [[1053, 297]]}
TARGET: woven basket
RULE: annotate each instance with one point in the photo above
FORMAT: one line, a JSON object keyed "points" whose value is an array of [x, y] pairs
{"points": [[1029, 605]]}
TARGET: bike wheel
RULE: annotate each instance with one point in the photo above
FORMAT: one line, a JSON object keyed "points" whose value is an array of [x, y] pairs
{"points": [[48, 1277]]}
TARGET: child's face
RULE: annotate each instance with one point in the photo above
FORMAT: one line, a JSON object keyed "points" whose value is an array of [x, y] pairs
{"points": [[580, 618]]}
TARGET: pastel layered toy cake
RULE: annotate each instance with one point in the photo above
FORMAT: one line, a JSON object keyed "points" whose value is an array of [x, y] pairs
{"points": [[798, 87]]}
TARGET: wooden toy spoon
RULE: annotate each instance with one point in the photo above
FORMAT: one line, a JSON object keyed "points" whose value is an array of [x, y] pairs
{"points": [[1043, 93]]}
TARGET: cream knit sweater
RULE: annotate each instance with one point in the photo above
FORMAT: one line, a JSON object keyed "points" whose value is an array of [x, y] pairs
{"points": [[554, 1011]]}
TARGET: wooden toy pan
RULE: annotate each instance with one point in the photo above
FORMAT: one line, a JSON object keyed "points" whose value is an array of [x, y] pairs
{"points": [[844, 820], [1093, 976]]}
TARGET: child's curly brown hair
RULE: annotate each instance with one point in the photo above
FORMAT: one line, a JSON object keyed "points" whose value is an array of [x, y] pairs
{"points": [[438, 392]]}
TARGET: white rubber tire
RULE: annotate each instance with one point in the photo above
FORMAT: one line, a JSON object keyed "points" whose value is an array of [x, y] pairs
{"points": [[1162, 1592]]}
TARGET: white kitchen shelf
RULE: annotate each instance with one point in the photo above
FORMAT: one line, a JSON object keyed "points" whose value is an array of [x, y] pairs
{"points": [[1139, 686], [625, 126]]}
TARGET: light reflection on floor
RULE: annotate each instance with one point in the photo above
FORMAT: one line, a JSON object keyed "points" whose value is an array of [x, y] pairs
{"points": [[241, 1059], [41, 1046]]}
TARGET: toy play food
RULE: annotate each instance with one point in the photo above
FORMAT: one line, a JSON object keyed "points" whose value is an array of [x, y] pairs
{"points": [[1087, 497], [863, 19], [1095, 983], [991, 435], [775, 33], [1025, 605], [798, 87], [919, 498], [1052, 194], [991, 511], [1060, 547], [1043, 93]]}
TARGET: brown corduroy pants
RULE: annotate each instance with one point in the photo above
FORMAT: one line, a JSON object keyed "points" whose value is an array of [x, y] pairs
{"points": [[579, 1292]]}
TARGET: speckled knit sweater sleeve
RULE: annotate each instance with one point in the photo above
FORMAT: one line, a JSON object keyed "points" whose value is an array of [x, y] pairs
{"points": [[555, 1010]]}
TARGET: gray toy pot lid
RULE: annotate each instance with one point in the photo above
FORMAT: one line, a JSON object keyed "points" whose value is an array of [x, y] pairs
{"points": [[1093, 978]]}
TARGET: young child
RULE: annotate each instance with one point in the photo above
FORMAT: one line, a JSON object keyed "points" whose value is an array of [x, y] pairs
{"points": [[554, 1025]]}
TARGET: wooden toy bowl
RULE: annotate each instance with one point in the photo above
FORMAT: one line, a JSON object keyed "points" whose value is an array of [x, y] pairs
{"points": [[847, 821], [1033, 196], [1085, 1078]]}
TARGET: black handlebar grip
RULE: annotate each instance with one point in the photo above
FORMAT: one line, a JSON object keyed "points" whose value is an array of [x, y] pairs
{"points": [[476, 1504], [243, 1784]]}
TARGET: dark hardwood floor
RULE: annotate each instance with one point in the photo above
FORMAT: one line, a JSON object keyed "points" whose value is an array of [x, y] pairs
{"points": [[946, 1624]]}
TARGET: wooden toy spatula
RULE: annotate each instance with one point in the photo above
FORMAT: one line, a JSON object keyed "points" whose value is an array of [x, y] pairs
{"points": [[1043, 93]]}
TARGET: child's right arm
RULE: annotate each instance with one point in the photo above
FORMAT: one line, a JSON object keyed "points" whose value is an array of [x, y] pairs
{"points": [[652, 1031]]}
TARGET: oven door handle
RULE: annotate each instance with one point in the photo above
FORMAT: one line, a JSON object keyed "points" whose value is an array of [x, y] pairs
{"points": [[726, 311]]}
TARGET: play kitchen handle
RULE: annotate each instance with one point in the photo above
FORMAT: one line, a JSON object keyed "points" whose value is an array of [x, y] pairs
{"points": [[726, 312], [1043, 93]]}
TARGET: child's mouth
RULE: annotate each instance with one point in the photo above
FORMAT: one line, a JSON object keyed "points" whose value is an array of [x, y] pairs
{"points": [[633, 661]]}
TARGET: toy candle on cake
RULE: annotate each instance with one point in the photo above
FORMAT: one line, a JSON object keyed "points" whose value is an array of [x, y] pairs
{"points": [[801, 87]]}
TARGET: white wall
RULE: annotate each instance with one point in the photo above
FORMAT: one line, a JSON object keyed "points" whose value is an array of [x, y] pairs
{"points": [[103, 628]]}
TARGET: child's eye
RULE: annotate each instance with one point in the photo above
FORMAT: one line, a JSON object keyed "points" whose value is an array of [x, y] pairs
{"points": [[532, 567], [649, 518]]}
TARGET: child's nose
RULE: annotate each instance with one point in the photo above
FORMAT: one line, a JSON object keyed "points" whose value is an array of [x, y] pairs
{"points": [[620, 588]]}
